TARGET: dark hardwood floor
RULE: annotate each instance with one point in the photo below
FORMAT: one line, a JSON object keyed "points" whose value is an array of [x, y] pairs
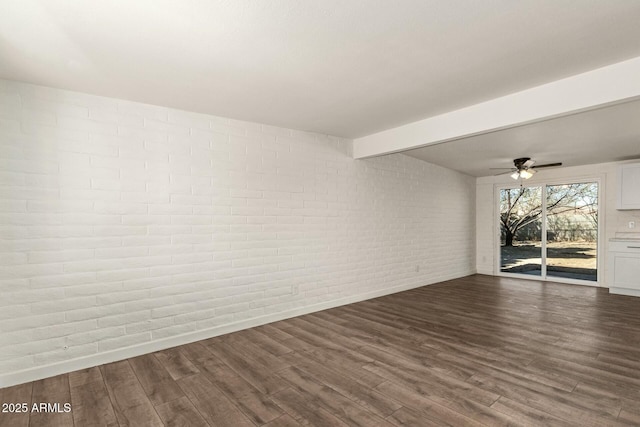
{"points": [[474, 351]]}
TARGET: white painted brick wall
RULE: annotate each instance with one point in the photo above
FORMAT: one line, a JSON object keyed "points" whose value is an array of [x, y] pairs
{"points": [[122, 223]]}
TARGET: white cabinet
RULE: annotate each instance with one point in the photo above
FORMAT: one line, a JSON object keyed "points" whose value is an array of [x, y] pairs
{"points": [[629, 186], [624, 267]]}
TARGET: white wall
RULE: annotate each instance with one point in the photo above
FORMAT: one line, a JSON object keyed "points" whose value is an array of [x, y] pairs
{"points": [[125, 228], [612, 221]]}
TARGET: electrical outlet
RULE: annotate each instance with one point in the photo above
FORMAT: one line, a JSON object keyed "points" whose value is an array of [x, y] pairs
{"points": [[632, 224], [417, 268], [295, 289]]}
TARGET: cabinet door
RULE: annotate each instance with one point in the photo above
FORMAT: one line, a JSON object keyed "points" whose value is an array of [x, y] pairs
{"points": [[626, 271], [629, 186]]}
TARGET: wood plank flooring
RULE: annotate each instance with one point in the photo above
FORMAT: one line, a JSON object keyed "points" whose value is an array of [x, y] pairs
{"points": [[474, 351]]}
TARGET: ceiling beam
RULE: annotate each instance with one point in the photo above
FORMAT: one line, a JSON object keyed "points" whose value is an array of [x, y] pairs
{"points": [[602, 87]]}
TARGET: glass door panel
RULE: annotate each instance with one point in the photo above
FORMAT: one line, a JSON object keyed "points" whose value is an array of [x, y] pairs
{"points": [[572, 231], [521, 230]]}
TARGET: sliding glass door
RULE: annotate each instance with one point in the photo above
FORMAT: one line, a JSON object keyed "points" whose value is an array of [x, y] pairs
{"points": [[572, 231], [521, 230], [550, 231]]}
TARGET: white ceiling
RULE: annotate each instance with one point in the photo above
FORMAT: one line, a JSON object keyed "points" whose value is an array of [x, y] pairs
{"points": [[604, 135], [347, 68]]}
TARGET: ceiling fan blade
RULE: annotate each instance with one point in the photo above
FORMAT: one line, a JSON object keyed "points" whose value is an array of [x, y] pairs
{"points": [[502, 168], [528, 163], [548, 165], [504, 173]]}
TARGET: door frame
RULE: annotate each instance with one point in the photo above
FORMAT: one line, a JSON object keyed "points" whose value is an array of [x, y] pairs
{"points": [[543, 246]]}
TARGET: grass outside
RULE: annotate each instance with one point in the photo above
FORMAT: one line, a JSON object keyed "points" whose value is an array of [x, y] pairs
{"points": [[575, 260]]}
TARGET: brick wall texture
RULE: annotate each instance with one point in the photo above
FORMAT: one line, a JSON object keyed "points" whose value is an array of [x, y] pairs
{"points": [[123, 223]]}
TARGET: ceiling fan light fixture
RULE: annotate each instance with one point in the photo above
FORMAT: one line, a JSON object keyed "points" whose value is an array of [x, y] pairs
{"points": [[525, 174], [524, 168], [522, 173]]}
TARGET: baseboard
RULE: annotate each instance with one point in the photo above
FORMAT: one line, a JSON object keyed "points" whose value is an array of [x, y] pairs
{"points": [[50, 370], [625, 291]]}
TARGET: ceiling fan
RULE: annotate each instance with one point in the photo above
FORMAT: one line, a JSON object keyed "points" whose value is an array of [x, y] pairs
{"points": [[524, 168]]}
